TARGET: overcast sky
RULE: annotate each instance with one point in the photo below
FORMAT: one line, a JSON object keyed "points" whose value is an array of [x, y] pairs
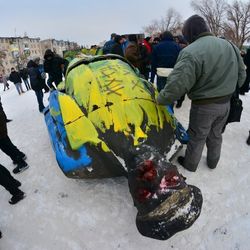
{"points": [[84, 21]]}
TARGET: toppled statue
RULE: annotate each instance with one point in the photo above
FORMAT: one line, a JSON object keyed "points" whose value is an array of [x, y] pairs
{"points": [[106, 123]]}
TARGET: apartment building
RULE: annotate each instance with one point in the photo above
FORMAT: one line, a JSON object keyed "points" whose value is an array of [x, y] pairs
{"points": [[16, 51]]}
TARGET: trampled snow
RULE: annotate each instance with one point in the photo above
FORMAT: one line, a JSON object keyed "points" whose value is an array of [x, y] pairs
{"points": [[61, 213]]}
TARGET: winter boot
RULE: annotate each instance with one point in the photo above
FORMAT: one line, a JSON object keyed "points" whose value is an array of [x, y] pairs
{"points": [[16, 198], [21, 166]]}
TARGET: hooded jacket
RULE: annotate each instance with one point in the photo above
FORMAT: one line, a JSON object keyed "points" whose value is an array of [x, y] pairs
{"points": [[164, 55], [36, 81], [207, 69], [55, 66]]}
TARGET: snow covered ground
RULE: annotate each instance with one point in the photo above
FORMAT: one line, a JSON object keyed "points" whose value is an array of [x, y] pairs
{"points": [[60, 213]]}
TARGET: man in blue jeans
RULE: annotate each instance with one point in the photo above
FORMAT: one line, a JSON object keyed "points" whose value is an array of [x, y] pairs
{"points": [[16, 79]]}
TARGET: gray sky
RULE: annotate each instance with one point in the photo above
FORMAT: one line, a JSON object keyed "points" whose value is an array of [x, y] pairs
{"points": [[84, 21]]}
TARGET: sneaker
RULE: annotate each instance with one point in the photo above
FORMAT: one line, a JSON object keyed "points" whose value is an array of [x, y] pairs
{"points": [[16, 198], [20, 168], [22, 156]]}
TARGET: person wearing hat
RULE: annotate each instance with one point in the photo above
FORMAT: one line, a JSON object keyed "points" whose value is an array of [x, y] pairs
{"points": [[117, 46], [207, 70], [16, 79], [109, 44], [55, 66], [36, 80]]}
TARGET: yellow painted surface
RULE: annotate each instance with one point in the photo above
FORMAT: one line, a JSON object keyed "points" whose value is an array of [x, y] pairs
{"points": [[78, 127], [111, 95]]}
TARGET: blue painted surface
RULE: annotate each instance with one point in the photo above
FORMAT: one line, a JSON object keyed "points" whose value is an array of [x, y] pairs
{"points": [[58, 136], [180, 132]]}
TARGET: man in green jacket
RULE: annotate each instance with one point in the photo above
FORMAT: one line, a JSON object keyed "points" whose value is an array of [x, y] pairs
{"points": [[207, 70]]}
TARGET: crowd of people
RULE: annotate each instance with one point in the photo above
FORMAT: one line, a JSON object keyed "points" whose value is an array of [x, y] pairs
{"points": [[202, 66]]}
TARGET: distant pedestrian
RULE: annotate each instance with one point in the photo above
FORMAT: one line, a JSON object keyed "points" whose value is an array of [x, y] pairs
{"points": [[164, 55], [9, 148], [11, 184], [55, 66], [137, 55], [36, 81], [125, 43], [109, 44], [24, 75], [3, 79], [117, 46], [16, 79]]}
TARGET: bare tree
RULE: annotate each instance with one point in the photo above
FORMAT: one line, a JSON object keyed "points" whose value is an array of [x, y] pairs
{"points": [[170, 22], [152, 28], [237, 27], [213, 11]]}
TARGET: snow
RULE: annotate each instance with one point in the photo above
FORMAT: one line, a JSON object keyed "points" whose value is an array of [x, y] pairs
{"points": [[61, 213]]}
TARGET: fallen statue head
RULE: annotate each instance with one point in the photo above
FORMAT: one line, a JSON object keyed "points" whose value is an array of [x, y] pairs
{"points": [[165, 203]]}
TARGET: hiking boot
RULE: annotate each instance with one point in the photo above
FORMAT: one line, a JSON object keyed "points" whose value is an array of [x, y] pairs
{"points": [[21, 156], [16, 198], [20, 167]]}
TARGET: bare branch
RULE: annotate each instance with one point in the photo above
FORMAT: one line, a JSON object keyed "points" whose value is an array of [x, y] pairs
{"points": [[171, 21]]}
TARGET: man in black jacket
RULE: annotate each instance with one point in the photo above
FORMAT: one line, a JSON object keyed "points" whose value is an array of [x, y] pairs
{"points": [[55, 66], [36, 81], [16, 79], [24, 75], [117, 47]]}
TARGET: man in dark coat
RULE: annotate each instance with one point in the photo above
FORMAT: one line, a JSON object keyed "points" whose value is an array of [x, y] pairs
{"points": [[24, 75], [137, 55], [16, 79], [55, 66], [9, 148], [36, 81], [164, 55], [108, 45], [117, 47]]}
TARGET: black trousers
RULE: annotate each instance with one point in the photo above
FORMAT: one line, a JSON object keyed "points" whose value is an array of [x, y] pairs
{"points": [[7, 181], [10, 149]]}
